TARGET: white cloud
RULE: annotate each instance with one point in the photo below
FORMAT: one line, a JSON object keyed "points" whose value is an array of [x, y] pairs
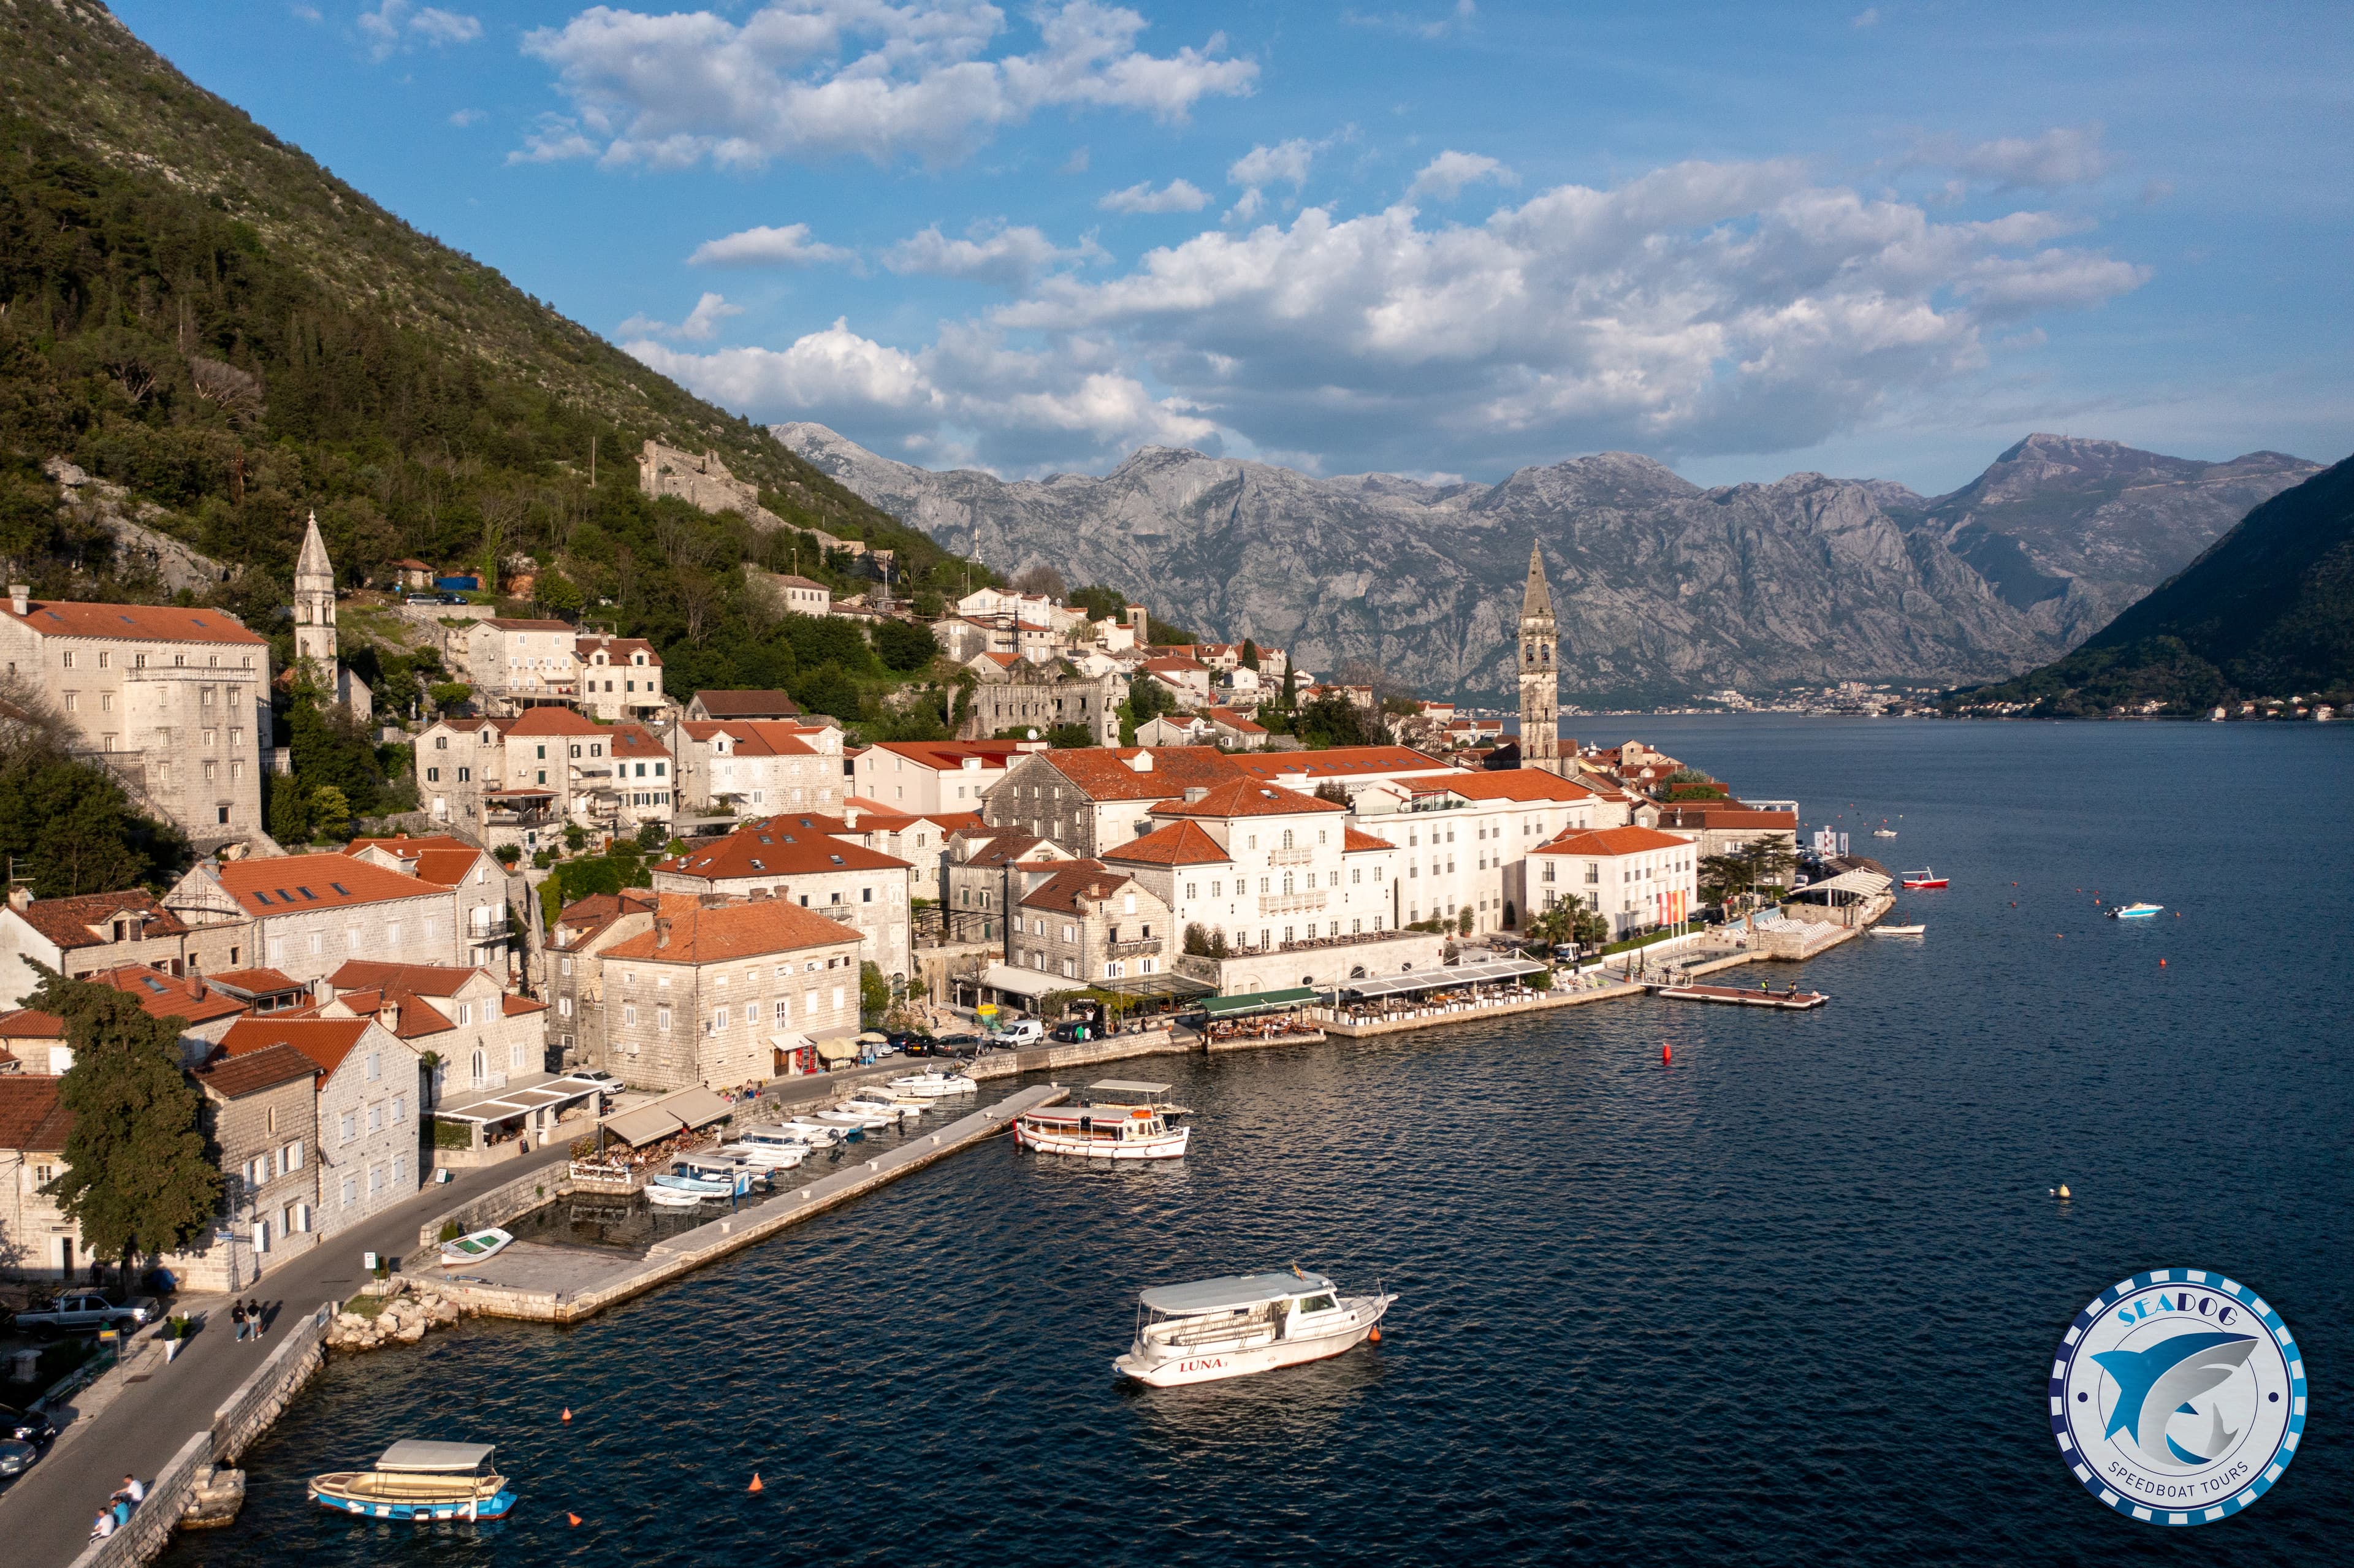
{"points": [[1866, 17], [2063, 156], [790, 246], [306, 13], [465, 117], [702, 323], [1177, 195], [1416, 26], [395, 25], [1446, 175], [1009, 257], [816, 79], [1264, 165], [1077, 164]]}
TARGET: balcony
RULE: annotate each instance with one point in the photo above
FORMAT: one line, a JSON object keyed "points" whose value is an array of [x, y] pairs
{"points": [[1290, 856], [1143, 948], [1291, 903]]}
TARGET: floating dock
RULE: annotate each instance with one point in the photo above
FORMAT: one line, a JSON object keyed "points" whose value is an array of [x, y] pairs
{"points": [[1788, 1001]]}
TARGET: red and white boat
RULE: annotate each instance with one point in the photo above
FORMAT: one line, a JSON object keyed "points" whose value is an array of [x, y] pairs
{"points": [[1924, 878], [1101, 1132]]}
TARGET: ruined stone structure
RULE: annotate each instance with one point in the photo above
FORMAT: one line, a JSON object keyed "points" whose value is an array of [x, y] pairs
{"points": [[704, 481]]}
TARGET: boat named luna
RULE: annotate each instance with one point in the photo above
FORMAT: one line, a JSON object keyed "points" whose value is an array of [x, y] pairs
{"points": [[1231, 1327], [419, 1480]]}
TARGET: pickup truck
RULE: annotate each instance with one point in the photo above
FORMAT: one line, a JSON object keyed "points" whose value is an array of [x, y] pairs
{"points": [[82, 1312]]}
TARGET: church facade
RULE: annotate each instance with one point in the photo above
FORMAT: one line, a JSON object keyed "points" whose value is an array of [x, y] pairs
{"points": [[1540, 680]]}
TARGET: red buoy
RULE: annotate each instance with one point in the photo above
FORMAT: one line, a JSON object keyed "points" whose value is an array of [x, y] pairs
{"points": [[2161, 963], [1375, 1336], [1667, 1052], [756, 1483], [568, 1413], [573, 1517]]}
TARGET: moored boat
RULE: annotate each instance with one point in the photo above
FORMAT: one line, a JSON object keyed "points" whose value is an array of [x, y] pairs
{"points": [[419, 1480], [473, 1247], [663, 1197], [934, 1085], [1899, 930], [817, 1134], [1922, 878], [1231, 1327], [1101, 1132], [2135, 911], [1883, 832], [778, 1148], [846, 1115]]}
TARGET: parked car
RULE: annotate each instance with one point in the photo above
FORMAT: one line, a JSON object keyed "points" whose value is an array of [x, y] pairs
{"points": [[1072, 1032], [16, 1457], [956, 1044], [82, 1312], [1020, 1032], [912, 1042], [595, 1075], [26, 1425]]}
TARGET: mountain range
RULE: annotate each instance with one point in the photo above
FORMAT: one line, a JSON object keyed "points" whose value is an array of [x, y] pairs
{"points": [[1662, 588]]}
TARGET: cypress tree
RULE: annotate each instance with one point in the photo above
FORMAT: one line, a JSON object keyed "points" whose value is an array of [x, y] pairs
{"points": [[139, 1177]]}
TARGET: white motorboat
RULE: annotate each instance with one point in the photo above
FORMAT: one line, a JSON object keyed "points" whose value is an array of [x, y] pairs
{"points": [[1101, 1132], [935, 1086], [674, 1197], [473, 1247], [1883, 832], [1214, 1328], [775, 1146], [877, 1102], [817, 1134], [844, 1116], [1899, 930]]}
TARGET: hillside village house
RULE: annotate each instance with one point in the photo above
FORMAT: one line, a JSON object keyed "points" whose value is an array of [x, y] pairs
{"points": [[987, 873], [1635, 878], [1088, 801], [575, 1022], [1464, 839], [1176, 729], [1085, 924], [547, 764], [795, 859], [260, 1111], [515, 664], [709, 705], [479, 1035], [927, 776], [720, 995], [177, 701], [1189, 678], [368, 1105], [796, 595], [311, 913], [80, 936], [477, 882], [620, 677], [35, 1237], [762, 765]]}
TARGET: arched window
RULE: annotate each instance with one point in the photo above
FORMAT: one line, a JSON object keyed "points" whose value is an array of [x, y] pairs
{"points": [[1287, 838], [482, 1064]]}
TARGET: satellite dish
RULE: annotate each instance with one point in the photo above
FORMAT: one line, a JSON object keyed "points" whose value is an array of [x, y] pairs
{"points": [[1033, 734]]}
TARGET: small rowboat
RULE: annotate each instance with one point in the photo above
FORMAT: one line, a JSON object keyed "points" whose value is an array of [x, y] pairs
{"points": [[419, 1481], [473, 1248], [1899, 930], [2135, 911], [676, 1197], [1924, 878]]}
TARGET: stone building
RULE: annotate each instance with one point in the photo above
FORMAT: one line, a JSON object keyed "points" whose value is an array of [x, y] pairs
{"points": [[35, 1238], [370, 1100], [1093, 800], [762, 765], [797, 859], [1540, 680], [262, 1111], [479, 1035], [620, 677], [575, 1022], [1634, 877], [1086, 923], [723, 993], [790, 592], [1288, 868], [514, 664], [311, 913], [702, 481], [1026, 694], [478, 883], [539, 769], [81, 936], [709, 705], [314, 626], [175, 701], [927, 776]]}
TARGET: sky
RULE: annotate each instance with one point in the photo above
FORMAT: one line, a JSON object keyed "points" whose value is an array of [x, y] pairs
{"points": [[1440, 238]]}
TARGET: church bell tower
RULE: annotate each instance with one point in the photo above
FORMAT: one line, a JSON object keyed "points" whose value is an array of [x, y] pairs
{"points": [[1540, 680]]}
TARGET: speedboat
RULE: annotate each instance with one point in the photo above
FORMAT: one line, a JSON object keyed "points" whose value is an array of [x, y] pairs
{"points": [[781, 1147], [1924, 878], [1883, 832], [1224, 1328], [2135, 911], [675, 1197], [473, 1247], [907, 1107], [419, 1480], [818, 1134], [1101, 1132], [1899, 930], [935, 1086], [707, 1177], [844, 1116]]}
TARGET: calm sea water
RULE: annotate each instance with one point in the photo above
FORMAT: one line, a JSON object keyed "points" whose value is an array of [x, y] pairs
{"points": [[1790, 1299]]}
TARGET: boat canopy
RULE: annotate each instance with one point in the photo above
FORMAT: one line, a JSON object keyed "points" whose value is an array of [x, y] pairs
{"points": [[1127, 1086], [1257, 1002], [1864, 884], [1487, 972], [1231, 1293], [413, 1456]]}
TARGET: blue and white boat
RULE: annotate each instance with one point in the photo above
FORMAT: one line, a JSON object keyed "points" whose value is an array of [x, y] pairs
{"points": [[419, 1480], [707, 1178], [2135, 911]]}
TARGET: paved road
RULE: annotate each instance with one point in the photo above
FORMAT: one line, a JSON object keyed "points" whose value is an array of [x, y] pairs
{"points": [[44, 1517]]}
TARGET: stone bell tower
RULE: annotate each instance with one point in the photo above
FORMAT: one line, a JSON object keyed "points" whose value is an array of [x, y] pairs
{"points": [[314, 623], [1540, 680]]}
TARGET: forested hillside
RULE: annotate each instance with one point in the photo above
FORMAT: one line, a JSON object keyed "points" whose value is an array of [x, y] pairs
{"points": [[195, 309]]}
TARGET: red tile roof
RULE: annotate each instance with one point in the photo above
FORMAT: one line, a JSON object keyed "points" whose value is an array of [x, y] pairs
{"points": [[552, 719], [326, 1041], [233, 1077], [1351, 841], [1108, 773], [417, 1018], [1247, 797], [283, 883], [68, 922], [161, 995], [262, 982], [420, 979], [517, 1006], [753, 929], [1007, 849], [1233, 721], [617, 651], [132, 622], [31, 1119], [506, 624], [1343, 761], [1509, 784], [1612, 841], [747, 704], [794, 845], [756, 737], [440, 860], [1179, 844], [31, 1024], [1073, 885], [948, 755], [584, 918]]}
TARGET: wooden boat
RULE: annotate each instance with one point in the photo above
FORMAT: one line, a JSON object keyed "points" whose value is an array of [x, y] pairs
{"points": [[1216, 1328], [1899, 930], [1101, 1132], [419, 1480], [1924, 878], [2135, 911], [473, 1247], [675, 1197]]}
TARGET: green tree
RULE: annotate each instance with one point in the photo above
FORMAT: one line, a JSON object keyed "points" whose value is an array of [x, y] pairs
{"points": [[331, 810], [67, 825], [874, 992], [139, 1178], [1250, 654], [289, 808], [905, 646], [828, 691], [558, 594], [1100, 602]]}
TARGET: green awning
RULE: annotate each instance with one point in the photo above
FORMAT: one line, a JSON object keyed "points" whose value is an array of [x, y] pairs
{"points": [[1256, 1001]]}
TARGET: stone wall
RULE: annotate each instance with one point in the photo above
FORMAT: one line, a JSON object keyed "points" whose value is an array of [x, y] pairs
{"points": [[702, 479], [1081, 1054], [498, 1205]]}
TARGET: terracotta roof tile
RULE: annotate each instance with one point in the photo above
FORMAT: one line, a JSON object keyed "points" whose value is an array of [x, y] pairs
{"points": [[440, 860], [619, 651], [1073, 885], [1353, 841], [551, 719], [67, 922], [1108, 773], [262, 982], [161, 995], [417, 1019], [31, 1119], [1179, 844], [284, 884], [701, 936], [1341, 762], [233, 1077], [507, 623], [1510, 784], [132, 622], [1611, 840], [796, 845], [326, 1041], [747, 704], [1247, 797], [420, 979], [31, 1024]]}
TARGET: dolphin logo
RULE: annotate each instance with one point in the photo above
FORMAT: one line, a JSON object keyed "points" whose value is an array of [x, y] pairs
{"points": [[2158, 1384]]}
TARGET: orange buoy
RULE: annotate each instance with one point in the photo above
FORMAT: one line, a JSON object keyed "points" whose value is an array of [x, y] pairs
{"points": [[755, 1486], [2161, 963], [1375, 1336], [573, 1517], [568, 1413], [1667, 1052]]}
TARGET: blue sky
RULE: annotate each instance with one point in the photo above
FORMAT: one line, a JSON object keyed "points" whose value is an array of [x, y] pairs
{"points": [[1441, 237]]}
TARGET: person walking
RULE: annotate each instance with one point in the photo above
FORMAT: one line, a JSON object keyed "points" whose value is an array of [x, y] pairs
{"points": [[237, 1316], [253, 1316]]}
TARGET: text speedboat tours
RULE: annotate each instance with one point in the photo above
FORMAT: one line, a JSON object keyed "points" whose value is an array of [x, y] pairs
{"points": [[1247, 1323]]}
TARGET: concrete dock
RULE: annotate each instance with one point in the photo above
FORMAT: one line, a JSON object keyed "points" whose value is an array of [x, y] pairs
{"points": [[565, 1284]]}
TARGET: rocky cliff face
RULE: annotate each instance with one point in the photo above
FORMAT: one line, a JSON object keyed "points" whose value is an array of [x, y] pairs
{"points": [[1662, 588]]}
